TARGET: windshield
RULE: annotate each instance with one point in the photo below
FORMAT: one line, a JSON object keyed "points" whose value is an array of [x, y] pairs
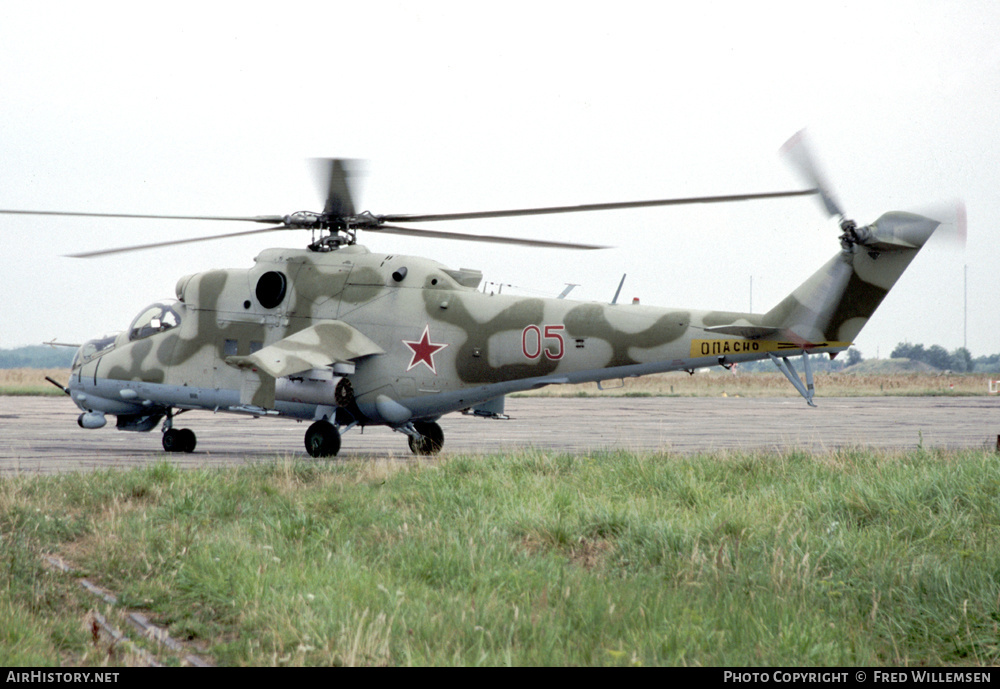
{"points": [[93, 348], [154, 319]]}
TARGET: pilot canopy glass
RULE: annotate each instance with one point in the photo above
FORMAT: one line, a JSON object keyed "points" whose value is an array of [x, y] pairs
{"points": [[154, 319], [93, 348]]}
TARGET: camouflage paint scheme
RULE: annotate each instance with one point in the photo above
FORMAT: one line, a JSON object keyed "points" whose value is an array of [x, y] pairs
{"points": [[415, 340]]}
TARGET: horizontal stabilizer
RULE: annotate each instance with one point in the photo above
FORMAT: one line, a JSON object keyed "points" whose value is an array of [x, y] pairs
{"points": [[750, 332]]}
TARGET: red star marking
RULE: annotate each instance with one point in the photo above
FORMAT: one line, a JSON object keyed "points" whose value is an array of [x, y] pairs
{"points": [[424, 351]]}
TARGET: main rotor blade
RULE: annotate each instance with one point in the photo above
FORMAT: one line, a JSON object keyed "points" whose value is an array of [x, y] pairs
{"points": [[435, 234], [140, 247], [255, 218], [797, 152], [594, 207], [334, 175]]}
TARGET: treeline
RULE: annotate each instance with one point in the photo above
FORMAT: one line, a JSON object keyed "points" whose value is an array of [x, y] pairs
{"points": [[957, 361], [37, 356], [821, 364]]}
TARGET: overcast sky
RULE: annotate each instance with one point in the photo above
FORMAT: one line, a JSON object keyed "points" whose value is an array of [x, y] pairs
{"points": [[214, 107]]}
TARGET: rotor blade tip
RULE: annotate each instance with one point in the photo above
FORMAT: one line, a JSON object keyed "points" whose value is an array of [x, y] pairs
{"points": [[793, 141]]}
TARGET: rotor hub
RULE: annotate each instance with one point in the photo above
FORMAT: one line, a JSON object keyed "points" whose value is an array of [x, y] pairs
{"points": [[341, 230], [852, 234]]}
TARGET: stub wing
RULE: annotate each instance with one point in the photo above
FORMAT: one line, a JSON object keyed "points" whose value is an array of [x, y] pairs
{"points": [[319, 346], [769, 338]]}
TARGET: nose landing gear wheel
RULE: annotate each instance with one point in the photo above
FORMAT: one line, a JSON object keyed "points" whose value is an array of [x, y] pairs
{"points": [[431, 438], [322, 440]]}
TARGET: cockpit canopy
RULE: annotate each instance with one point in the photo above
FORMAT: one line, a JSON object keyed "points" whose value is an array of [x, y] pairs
{"points": [[94, 348], [154, 319]]}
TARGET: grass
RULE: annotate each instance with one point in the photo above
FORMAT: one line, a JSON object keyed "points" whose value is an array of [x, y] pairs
{"points": [[31, 381], [712, 383], [617, 558], [706, 383]]}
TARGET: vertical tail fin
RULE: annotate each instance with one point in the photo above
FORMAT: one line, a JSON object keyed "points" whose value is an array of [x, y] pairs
{"points": [[835, 303]]}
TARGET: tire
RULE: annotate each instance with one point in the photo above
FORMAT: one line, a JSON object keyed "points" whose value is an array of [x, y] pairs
{"points": [[431, 438], [187, 440], [322, 440], [172, 440]]}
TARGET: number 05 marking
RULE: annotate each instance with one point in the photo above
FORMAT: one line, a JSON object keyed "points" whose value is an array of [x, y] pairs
{"points": [[532, 341]]}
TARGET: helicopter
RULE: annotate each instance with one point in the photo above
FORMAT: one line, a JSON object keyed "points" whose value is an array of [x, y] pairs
{"points": [[343, 337]]}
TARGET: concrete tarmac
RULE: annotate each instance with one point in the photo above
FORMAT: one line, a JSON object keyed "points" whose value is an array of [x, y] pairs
{"points": [[40, 434]]}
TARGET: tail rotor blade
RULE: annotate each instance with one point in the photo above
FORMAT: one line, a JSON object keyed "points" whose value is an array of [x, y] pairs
{"points": [[797, 152], [953, 227]]}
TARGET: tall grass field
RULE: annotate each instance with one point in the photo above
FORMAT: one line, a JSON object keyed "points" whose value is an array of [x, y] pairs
{"points": [[621, 559], [706, 383]]}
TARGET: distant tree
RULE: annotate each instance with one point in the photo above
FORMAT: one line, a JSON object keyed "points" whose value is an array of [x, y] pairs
{"points": [[938, 357], [853, 357], [986, 364], [961, 360], [905, 350]]}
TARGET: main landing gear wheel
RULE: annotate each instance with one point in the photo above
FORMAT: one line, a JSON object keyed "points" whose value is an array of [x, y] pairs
{"points": [[179, 440], [431, 438], [322, 439]]}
